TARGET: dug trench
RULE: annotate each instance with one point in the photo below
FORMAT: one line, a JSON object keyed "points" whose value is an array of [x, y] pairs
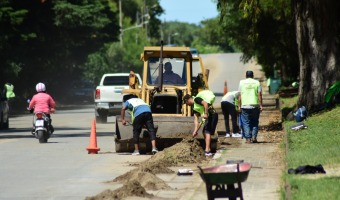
{"points": [[189, 151]]}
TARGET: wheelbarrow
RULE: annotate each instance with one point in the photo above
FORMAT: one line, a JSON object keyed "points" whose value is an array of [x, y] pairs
{"points": [[220, 180]]}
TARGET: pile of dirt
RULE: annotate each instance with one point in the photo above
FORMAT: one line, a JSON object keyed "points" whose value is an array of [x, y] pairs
{"points": [[147, 180], [187, 151], [154, 167], [131, 188], [144, 176]]}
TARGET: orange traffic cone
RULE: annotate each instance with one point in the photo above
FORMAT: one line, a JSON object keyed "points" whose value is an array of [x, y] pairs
{"points": [[92, 149], [225, 89]]}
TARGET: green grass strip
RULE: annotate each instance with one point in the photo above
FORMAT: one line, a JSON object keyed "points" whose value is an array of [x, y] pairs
{"points": [[318, 144]]}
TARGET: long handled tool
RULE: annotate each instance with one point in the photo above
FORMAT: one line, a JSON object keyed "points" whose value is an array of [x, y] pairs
{"points": [[199, 127]]}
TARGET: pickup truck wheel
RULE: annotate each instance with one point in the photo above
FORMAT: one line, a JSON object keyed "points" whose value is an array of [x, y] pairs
{"points": [[101, 119]]}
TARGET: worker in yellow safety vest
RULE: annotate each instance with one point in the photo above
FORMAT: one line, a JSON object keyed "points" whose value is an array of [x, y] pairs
{"points": [[9, 91], [250, 106], [203, 106]]}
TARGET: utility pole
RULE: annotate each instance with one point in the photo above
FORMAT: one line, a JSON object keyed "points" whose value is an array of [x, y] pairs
{"points": [[145, 14], [120, 23]]}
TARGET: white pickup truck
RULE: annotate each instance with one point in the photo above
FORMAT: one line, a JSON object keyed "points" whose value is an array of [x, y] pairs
{"points": [[109, 97]]}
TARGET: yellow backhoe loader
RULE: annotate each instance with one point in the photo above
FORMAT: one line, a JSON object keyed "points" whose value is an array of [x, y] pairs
{"points": [[164, 92]]}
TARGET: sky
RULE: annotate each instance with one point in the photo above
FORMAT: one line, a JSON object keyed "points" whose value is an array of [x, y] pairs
{"points": [[190, 11]]}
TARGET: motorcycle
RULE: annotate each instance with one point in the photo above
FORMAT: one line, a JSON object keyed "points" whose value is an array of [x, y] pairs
{"points": [[42, 129]]}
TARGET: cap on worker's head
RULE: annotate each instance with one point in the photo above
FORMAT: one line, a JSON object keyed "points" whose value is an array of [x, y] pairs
{"points": [[128, 96], [186, 98], [167, 66], [249, 74]]}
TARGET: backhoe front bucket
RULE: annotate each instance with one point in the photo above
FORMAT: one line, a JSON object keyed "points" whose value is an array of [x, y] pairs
{"points": [[169, 131]]}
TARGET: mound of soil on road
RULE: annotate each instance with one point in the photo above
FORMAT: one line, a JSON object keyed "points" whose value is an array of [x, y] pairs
{"points": [[187, 151], [131, 188], [146, 179], [154, 167]]}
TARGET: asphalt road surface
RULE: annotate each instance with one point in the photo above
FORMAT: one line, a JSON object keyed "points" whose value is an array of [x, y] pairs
{"points": [[62, 168]]}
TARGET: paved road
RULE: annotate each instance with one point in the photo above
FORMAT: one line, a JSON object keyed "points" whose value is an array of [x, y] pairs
{"points": [[60, 169]]}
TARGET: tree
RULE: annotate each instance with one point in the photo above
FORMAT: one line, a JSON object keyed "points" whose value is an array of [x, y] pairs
{"points": [[211, 35], [318, 31], [141, 28], [264, 30], [50, 40]]}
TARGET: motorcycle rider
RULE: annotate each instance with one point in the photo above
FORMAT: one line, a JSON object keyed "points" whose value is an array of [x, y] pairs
{"points": [[42, 102]]}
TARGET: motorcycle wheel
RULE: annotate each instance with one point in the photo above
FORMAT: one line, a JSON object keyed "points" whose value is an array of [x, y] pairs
{"points": [[41, 137]]}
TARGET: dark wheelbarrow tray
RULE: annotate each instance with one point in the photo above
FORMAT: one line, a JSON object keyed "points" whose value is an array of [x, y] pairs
{"points": [[220, 180], [225, 174]]}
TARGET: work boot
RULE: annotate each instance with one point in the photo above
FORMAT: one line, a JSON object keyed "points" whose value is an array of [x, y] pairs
{"points": [[154, 151], [254, 140], [248, 141]]}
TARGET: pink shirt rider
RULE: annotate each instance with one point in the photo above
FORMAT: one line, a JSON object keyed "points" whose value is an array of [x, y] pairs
{"points": [[42, 102]]}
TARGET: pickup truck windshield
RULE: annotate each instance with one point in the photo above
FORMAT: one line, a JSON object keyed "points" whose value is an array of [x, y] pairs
{"points": [[116, 80], [174, 71]]}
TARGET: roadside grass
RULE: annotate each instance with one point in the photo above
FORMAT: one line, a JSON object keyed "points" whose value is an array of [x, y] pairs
{"points": [[289, 102], [318, 144]]}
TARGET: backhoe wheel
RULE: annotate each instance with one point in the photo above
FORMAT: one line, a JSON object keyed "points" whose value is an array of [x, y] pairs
{"points": [[123, 146], [101, 119]]}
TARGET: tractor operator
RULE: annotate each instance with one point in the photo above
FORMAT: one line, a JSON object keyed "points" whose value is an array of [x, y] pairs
{"points": [[169, 77]]}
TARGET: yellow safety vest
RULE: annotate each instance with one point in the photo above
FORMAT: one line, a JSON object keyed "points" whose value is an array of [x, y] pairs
{"points": [[236, 99], [249, 92], [208, 96], [9, 91]]}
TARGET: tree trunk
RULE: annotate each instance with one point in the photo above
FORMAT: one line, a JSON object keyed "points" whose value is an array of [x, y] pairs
{"points": [[317, 33]]}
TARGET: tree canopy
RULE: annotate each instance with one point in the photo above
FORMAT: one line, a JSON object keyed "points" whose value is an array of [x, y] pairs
{"points": [[263, 30], [49, 40], [298, 37]]}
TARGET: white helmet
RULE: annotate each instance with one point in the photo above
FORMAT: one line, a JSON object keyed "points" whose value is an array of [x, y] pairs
{"points": [[40, 87]]}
